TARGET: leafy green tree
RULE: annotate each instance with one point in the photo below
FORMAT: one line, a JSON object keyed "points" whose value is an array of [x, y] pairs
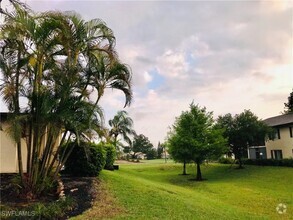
{"points": [[179, 151], [152, 154], [54, 61], [289, 104], [195, 138], [142, 144], [243, 130]]}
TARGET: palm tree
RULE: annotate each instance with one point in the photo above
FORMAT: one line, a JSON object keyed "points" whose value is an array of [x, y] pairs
{"points": [[12, 63], [121, 125], [55, 60], [110, 74]]}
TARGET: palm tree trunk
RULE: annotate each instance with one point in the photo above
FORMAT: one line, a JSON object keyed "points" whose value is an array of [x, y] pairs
{"points": [[50, 168], [97, 101], [19, 159], [62, 162], [17, 112], [29, 150], [47, 149]]}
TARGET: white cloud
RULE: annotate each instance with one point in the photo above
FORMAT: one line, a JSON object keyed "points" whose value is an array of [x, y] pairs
{"points": [[225, 55], [153, 114], [172, 64], [147, 77]]}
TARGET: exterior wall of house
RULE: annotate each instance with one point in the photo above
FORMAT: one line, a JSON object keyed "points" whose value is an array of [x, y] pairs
{"points": [[285, 144], [8, 152]]}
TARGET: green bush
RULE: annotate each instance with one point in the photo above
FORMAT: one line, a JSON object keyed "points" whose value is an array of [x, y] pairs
{"points": [[110, 156], [269, 162], [226, 160], [88, 159]]}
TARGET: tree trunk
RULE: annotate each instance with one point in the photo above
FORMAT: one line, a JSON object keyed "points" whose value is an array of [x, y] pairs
{"points": [[240, 163], [29, 149], [184, 168], [17, 112], [198, 173], [19, 159]]}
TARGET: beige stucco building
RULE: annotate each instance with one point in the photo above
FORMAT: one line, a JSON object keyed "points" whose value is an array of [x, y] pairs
{"points": [[8, 149], [282, 144]]}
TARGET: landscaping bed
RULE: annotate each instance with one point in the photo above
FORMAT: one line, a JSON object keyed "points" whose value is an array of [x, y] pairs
{"points": [[80, 193]]}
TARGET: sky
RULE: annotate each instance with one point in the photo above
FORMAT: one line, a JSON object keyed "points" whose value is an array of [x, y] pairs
{"points": [[226, 56]]}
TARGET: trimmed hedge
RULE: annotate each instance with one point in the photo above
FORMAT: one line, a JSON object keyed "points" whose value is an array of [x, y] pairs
{"points": [[269, 162], [88, 159], [110, 156]]}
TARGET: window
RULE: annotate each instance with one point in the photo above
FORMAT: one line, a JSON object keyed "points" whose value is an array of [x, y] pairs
{"points": [[290, 130], [275, 135], [276, 154], [278, 133]]}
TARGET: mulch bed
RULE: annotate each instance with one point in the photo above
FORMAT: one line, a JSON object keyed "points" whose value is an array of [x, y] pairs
{"points": [[83, 190]]}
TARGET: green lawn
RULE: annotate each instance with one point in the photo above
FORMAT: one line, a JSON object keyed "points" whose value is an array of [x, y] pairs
{"points": [[154, 190]]}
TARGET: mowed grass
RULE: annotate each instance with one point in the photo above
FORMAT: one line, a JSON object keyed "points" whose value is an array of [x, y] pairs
{"points": [[155, 190]]}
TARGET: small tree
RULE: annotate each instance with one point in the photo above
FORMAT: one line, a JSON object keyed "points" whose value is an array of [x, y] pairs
{"points": [[195, 138], [289, 104], [178, 151], [243, 130], [151, 154], [142, 144]]}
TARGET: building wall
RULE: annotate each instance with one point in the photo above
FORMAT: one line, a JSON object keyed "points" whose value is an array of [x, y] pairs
{"points": [[285, 143], [8, 152]]}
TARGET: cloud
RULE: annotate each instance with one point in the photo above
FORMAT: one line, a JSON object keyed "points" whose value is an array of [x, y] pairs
{"points": [[153, 114], [225, 55], [172, 65]]}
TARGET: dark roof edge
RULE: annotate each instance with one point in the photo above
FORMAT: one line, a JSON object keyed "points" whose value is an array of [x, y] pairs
{"points": [[279, 120]]}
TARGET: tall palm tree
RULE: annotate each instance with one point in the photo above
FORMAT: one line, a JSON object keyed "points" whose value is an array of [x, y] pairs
{"points": [[12, 64], [121, 125], [55, 60]]}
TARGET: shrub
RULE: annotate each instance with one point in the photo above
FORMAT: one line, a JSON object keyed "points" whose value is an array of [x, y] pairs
{"points": [[110, 156], [226, 160], [269, 162], [88, 159]]}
